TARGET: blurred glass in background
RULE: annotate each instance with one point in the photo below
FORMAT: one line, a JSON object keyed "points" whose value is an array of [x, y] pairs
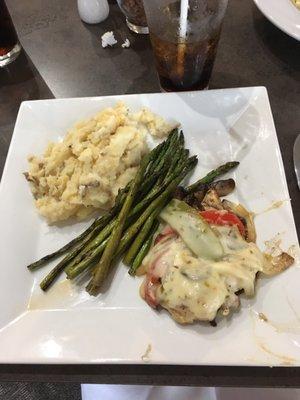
{"points": [[185, 36], [9, 44]]}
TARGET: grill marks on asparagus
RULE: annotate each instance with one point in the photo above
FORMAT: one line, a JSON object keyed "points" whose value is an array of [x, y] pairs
{"points": [[128, 228], [102, 268]]}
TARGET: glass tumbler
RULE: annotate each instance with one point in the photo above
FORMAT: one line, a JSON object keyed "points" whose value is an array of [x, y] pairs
{"points": [[135, 15], [184, 36], [9, 44]]}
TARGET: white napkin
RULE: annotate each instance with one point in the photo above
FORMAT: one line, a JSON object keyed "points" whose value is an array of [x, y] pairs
{"points": [[135, 392], [123, 392]]}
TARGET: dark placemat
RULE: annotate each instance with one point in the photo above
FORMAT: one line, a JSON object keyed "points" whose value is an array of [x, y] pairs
{"points": [[39, 391]]}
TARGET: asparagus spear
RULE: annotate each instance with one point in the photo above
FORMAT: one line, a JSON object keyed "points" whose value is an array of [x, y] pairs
{"points": [[174, 143], [152, 173], [112, 244], [61, 266], [77, 269], [141, 237], [37, 264], [174, 170], [211, 176], [157, 161], [127, 238], [94, 243], [143, 250]]}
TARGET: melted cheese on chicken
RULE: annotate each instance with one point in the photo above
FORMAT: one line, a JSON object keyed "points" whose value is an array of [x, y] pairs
{"points": [[194, 288]]}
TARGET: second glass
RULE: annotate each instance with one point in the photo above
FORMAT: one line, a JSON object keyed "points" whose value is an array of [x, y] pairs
{"points": [[135, 15], [9, 44], [184, 36]]}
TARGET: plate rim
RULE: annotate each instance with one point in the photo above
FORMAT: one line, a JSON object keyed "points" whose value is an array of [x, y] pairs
{"points": [[277, 23]]}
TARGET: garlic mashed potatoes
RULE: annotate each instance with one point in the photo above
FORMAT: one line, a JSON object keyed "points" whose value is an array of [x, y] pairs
{"points": [[96, 158]]}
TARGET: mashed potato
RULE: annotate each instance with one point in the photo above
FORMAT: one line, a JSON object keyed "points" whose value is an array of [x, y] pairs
{"points": [[96, 158]]}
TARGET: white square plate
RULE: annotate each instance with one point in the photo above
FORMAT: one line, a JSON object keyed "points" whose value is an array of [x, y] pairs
{"points": [[67, 326]]}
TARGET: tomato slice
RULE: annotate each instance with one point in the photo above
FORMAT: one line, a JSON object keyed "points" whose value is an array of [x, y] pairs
{"points": [[223, 217], [167, 231]]}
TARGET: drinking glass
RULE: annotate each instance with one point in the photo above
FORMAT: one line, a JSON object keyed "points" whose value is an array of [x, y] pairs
{"points": [[9, 44], [184, 36], [135, 15]]}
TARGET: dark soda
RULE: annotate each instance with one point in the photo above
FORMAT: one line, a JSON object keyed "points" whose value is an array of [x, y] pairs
{"points": [[184, 66], [185, 50], [8, 35]]}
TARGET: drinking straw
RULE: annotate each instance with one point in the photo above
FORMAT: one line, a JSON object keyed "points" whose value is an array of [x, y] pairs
{"points": [[184, 6]]}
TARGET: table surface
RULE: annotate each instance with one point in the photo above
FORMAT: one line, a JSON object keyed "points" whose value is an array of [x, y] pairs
{"points": [[63, 57]]}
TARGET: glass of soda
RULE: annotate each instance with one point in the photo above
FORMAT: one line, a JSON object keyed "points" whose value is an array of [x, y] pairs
{"points": [[184, 36], [9, 44]]}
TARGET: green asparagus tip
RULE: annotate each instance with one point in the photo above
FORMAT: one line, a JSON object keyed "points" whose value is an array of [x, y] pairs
{"points": [[212, 175]]}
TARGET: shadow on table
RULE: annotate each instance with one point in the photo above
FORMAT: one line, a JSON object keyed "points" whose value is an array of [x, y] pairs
{"points": [[282, 47], [19, 81], [22, 73]]}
